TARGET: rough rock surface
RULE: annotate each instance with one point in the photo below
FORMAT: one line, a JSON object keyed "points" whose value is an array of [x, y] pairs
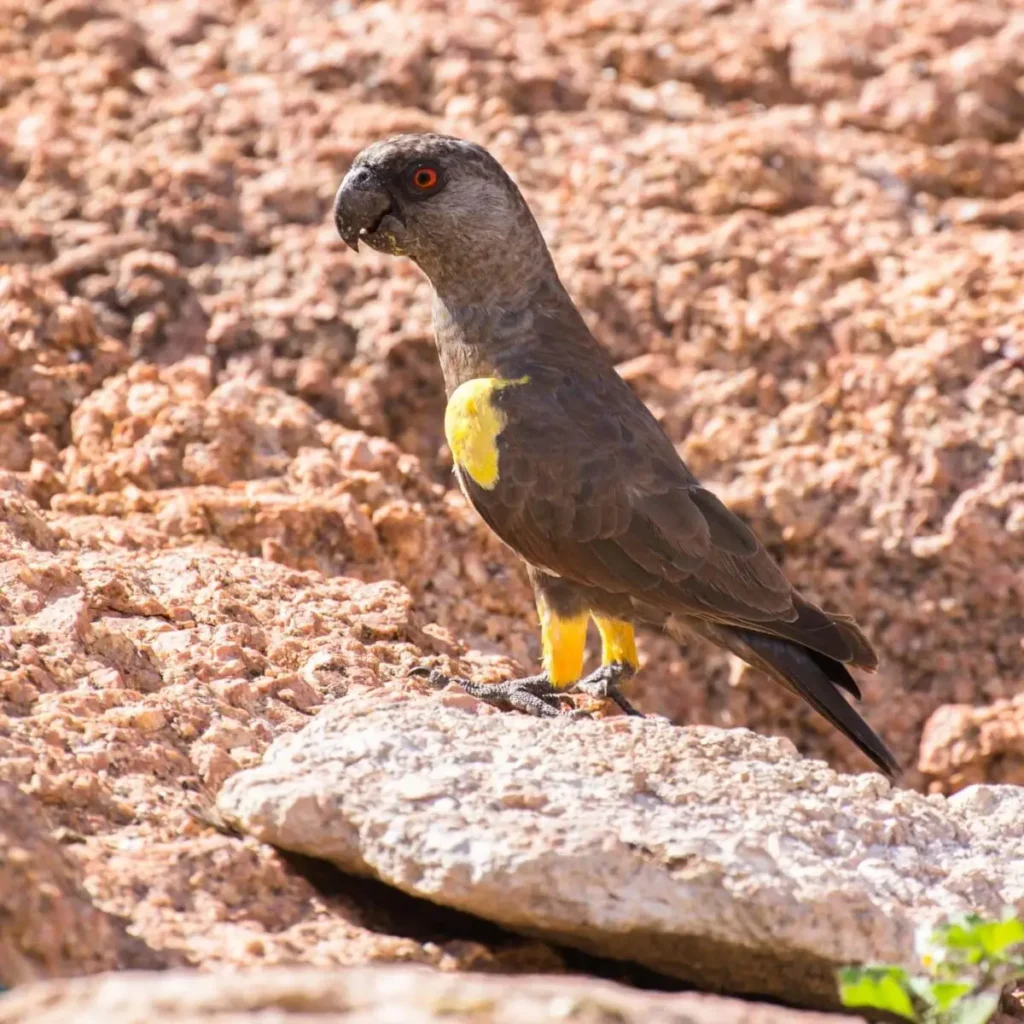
{"points": [[797, 227], [714, 856], [379, 995], [50, 927], [963, 744], [135, 675]]}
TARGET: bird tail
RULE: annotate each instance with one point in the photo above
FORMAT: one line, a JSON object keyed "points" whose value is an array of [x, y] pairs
{"points": [[811, 675]]}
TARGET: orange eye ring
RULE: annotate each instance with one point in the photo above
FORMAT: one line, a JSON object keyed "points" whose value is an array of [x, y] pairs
{"points": [[424, 178]]}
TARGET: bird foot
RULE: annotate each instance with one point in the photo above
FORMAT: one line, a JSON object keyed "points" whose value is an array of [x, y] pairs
{"points": [[533, 695], [603, 684]]}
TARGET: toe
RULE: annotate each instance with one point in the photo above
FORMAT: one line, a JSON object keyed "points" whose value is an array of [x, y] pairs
{"points": [[434, 676], [439, 680], [577, 714]]}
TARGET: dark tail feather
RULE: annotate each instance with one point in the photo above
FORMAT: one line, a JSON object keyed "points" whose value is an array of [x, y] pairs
{"points": [[802, 671], [836, 671], [837, 637]]}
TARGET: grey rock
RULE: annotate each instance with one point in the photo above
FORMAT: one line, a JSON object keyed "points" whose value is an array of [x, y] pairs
{"points": [[718, 857], [370, 995]]}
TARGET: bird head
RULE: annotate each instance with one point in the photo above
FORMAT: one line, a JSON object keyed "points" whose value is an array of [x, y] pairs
{"points": [[445, 203]]}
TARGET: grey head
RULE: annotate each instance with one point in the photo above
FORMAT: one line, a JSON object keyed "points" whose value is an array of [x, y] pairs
{"points": [[449, 206]]}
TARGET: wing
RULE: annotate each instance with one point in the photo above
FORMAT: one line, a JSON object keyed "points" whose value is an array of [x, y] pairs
{"points": [[590, 489]]}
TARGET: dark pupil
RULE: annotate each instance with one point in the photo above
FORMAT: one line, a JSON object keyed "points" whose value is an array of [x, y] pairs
{"points": [[424, 178]]}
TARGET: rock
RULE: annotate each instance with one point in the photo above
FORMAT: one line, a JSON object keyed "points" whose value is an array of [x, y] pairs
{"points": [[804, 215], [963, 744], [52, 355], [134, 676], [718, 857], [50, 927], [378, 995]]}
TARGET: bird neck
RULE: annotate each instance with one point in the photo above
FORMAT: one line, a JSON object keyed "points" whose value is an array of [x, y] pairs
{"points": [[477, 340], [493, 271], [527, 333]]}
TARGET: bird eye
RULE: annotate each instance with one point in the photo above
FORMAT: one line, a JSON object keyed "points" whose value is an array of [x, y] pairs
{"points": [[424, 178]]}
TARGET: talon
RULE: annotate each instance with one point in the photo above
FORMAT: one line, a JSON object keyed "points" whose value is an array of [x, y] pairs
{"points": [[434, 677], [603, 683], [533, 695], [440, 681]]}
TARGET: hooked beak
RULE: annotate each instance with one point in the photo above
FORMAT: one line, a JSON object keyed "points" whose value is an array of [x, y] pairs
{"points": [[360, 206]]}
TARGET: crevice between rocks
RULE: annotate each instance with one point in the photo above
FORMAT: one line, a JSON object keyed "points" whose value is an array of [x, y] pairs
{"points": [[390, 911]]}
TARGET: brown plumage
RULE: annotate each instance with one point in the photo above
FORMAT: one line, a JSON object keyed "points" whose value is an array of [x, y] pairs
{"points": [[562, 459]]}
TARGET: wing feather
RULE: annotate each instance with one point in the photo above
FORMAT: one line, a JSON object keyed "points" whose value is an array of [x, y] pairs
{"points": [[602, 498]]}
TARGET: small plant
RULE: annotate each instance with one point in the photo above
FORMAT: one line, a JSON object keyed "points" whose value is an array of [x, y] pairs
{"points": [[968, 960]]}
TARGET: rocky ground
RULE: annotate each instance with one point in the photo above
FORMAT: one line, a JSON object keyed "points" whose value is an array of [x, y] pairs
{"points": [[225, 497]]}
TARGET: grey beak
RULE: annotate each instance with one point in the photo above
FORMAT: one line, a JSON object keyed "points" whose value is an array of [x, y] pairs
{"points": [[360, 205]]}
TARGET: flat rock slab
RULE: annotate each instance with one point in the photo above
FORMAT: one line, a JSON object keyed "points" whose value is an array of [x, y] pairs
{"points": [[718, 857], [372, 995]]}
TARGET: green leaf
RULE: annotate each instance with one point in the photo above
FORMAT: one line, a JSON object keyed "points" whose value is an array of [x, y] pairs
{"points": [[976, 1010], [881, 988], [974, 939], [946, 993], [996, 937], [963, 937]]}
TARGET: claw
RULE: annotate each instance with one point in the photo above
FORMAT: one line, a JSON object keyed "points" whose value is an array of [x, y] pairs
{"points": [[434, 677], [534, 695], [602, 684]]}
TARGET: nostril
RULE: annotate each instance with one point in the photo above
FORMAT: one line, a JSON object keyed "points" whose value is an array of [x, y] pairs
{"points": [[360, 177]]}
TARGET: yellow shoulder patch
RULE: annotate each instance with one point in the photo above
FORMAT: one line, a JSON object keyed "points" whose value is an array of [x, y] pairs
{"points": [[472, 423]]}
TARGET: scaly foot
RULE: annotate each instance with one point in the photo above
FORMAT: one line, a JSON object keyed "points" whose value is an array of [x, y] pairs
{"points": [[603, 684], [533, 695]]}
